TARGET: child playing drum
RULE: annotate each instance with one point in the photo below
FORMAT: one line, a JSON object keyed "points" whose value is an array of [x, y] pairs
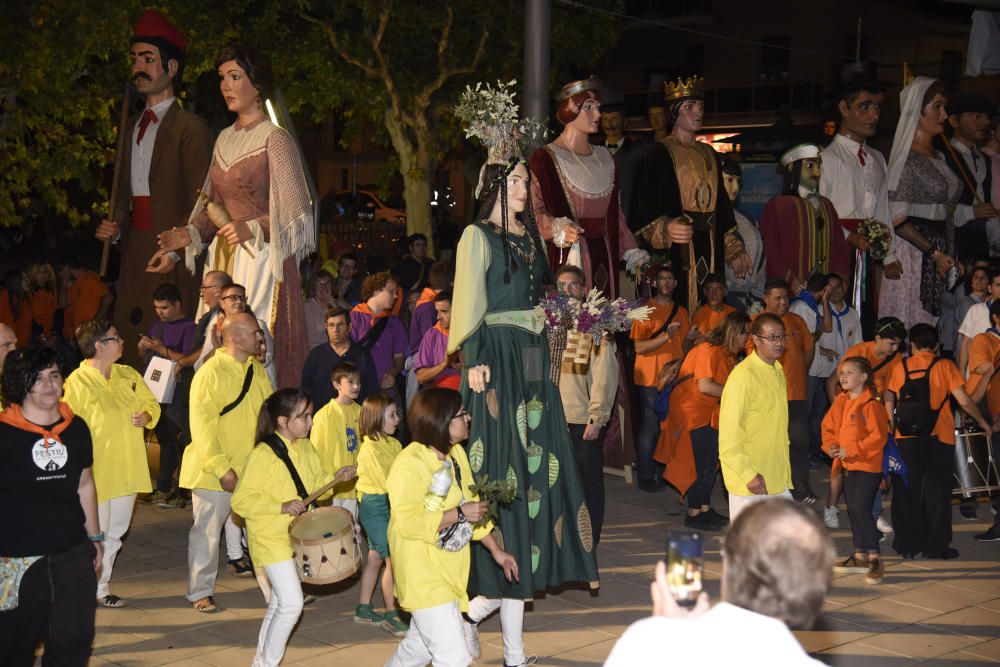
{"points": [[379, 449], [268, 496]]}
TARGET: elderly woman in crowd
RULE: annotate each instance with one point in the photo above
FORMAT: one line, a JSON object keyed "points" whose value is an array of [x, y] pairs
{"points": [[51, 544], [118, 406], [427, 531]]}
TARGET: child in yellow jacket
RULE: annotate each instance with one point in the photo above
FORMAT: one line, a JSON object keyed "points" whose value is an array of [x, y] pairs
{"points": [[379, 449], [335, 432], [267, 500]]}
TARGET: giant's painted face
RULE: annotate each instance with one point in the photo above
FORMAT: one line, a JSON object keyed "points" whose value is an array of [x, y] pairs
{"points": [[811, 170], [690, 115]]}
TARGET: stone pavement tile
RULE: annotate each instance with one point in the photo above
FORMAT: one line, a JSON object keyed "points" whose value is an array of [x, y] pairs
{"points": [[359, 655], [345, 633], [883, 615], [594, 654], [554, 639], [960, 659], [979, 581], [166, 648], [921, 641], [849, 590], [859, 654], [829, 632], [941, 598], [974, 621], [232, 657], [987, 649]]}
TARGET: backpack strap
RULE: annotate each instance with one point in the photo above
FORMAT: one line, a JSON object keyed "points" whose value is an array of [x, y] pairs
{"points": [[281, 451], [247, 381], [673, 314], [369, 340], [882, 364]]}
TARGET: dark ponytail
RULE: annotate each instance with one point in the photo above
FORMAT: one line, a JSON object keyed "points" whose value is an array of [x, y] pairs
{"points": [[281, 403]]}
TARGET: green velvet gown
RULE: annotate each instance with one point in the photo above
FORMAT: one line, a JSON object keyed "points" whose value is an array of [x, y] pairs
{"points": [[518, 430]]}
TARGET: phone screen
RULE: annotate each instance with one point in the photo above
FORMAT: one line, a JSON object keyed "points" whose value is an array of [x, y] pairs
{"points": [[685, 565]]}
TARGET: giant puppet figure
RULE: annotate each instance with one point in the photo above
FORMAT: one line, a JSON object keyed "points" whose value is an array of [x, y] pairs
{"points": [[801, 231], [854, 180], [575, 192], [163, 165], [678, 198], [257, 224]]}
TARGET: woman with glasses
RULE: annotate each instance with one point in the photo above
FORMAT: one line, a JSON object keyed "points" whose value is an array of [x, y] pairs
{"points": [[430, 541], [118, 406]]}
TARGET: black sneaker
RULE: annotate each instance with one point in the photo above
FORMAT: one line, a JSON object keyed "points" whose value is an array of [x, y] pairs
{"points": [[991, 535], [948, 554], [720, 519], [241, 567], [701, 522], [651, 486], [967, 509]]}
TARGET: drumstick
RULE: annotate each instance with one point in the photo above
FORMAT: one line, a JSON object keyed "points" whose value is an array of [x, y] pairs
{"points": [[319, 492]]}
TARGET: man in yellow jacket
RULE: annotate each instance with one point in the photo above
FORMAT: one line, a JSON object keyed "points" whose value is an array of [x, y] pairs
{"points": [[753, 421], [226, 395]]}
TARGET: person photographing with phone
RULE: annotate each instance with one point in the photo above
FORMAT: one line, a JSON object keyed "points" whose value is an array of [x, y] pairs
{"points": [[776, 570]]}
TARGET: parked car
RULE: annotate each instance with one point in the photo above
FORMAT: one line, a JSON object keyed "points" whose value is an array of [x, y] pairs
{"points": [[367, 205]]}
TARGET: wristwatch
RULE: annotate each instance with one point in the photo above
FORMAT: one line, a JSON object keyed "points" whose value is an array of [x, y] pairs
{"points": [[461, 515]]}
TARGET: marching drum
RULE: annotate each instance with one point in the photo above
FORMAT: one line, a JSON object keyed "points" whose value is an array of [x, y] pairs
{"points": [[324, 546], [975, 467]]}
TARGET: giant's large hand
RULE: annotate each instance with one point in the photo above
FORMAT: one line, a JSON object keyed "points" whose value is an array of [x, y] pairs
{"points": [[160, 262], [235, 232], [174, 239], [479, 377]]}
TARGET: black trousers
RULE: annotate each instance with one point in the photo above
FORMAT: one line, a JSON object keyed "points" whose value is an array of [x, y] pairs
{"points": [[590, 462], [860, 488], [56, 606], [172, 438], [921, 510], [705, 443], [798, 448]]}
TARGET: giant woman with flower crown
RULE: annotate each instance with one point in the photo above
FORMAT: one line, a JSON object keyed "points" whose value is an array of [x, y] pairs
{"points": [[518, 431]]}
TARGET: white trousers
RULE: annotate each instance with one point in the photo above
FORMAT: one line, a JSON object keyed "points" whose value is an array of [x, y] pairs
{"points": [[211, 516], [436, 636], [739, 503], [283, 611], [114, 517], [511, 623]]}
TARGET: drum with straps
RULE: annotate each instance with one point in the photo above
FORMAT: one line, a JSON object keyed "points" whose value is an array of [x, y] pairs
{"points": [[324, 545]]}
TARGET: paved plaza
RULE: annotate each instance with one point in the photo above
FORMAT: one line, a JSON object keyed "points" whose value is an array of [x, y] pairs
{"points": [[929, 612]]}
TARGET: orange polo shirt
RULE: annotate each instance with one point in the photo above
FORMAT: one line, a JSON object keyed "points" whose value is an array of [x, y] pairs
{"points": [[43, 309], [985, 348], [859, 425], [705, 319], [867, 350], [945, 378], [649, 364], [799, 344], [84, 301]]}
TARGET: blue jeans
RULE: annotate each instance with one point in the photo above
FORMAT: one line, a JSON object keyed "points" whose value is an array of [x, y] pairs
{"points": [[647, 433]]}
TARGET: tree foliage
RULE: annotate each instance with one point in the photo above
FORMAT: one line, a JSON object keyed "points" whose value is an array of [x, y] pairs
{"points": [[391, 65]]}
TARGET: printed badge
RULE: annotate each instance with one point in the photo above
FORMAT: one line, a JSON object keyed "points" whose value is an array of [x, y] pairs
{"points": [[49, 455]]}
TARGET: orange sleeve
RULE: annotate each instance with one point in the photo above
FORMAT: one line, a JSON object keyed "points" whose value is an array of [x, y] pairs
{"points": [[896, 379], [950, 375], [877, 421], [703, 365], [641, 329], [830, 427], [682, 317], [810, 344]]}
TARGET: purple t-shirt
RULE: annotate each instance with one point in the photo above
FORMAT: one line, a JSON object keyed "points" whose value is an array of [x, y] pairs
{"points": [[433, 350], [390, 343], [424, 317], [177, 335]]}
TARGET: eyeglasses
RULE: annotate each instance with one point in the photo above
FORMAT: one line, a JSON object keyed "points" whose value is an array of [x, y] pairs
{"points": [[234, 298], [204, 288], [569, 283], [461, 414], [117, 339], [773, 339]]}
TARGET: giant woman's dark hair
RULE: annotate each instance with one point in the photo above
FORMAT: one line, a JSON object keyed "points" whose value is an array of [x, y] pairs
{"points": [[494, 187]]}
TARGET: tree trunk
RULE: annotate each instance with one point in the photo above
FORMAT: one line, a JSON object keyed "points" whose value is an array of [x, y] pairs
{"points": [[417, 165]]}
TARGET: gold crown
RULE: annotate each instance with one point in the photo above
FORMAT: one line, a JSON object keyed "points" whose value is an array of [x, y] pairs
{"points": [[694, 86], [575, 87]]}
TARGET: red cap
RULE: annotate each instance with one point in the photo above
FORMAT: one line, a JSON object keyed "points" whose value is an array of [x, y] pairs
{"points": [[152, 26]]}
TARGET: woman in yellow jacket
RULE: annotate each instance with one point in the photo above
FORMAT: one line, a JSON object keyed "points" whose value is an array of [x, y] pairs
{"points": [[266, 498], [377, 424], [117, 405], [855, 431], [431, 580]]}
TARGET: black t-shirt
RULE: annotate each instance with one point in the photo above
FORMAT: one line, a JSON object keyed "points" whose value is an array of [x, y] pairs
{"points": [[39, 502]]}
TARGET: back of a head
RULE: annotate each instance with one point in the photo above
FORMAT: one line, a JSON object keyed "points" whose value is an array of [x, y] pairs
{"points": [[236, 324], [778, 562]]}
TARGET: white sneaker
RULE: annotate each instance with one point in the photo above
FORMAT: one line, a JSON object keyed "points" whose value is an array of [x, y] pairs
{"points": [[472, 639], [831, 517], [883, 525]]}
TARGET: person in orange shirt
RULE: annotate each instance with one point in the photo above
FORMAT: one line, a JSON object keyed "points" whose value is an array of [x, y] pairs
{"points": [[658, 341], [798, 356], [984, 359], [855, 430], [689, 445], [87, 297], [15, 305], [921, 510], [883, 355], [711, 313], [42, 285]]}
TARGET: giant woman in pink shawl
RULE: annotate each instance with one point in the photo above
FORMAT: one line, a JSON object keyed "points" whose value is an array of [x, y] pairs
{"points": [[257, 185], [575, 193]]}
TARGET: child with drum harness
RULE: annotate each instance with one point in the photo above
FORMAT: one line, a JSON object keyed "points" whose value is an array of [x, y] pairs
{"points": [[378, 422], [280, 472], [855, 430]]}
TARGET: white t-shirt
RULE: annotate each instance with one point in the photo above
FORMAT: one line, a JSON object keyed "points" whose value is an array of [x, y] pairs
{"points": [[976, 321], [724, 635]]}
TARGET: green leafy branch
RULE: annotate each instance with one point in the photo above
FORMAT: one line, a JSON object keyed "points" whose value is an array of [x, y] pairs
{"points": [[497, 491]]}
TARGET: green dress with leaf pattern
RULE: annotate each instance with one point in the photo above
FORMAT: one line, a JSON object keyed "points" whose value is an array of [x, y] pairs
{"points": [[518, 428]]}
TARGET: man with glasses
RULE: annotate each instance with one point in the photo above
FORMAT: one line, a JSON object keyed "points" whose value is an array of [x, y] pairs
{"points": [[232, 301], [322, 359], [753, 421], [796, 357]]}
